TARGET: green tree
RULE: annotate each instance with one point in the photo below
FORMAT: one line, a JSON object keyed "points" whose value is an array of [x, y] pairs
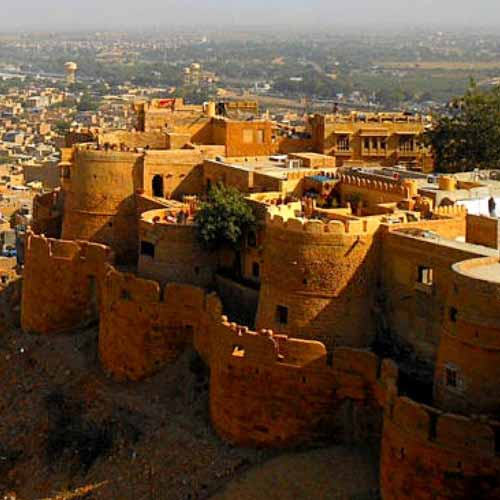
{"points": [[223, 218], [62, 127], [468, 136], [87, 103]]}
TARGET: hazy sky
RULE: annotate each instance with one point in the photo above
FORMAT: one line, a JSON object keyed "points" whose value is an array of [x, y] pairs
{"points": [[117, 13]]}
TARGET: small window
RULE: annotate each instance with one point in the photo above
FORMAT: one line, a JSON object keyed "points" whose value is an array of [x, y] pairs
{"points": [[248, 136], [255, 270], [260, 136], [252, 239], [157, 186], [147, 248], [451, 377], [65, 172], [367, 143], [453, 314], [238, 351], [282, 315], [343, 143], [425, 275]]}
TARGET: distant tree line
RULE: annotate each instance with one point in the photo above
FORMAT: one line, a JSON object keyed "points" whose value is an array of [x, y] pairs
{"points": [[467, 136]]}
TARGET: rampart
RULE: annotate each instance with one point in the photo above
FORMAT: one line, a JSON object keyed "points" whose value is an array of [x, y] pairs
{"points": [[62, 283], [153, 140], [373, 192], [171, 252], [428, 454], [100, 199], [468, 362], [48, 214], [144, 326], [271, 390], [317, 279]]}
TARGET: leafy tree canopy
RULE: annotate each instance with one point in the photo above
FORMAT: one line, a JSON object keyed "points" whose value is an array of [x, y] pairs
{"points": [[87, 103], [468, 136], [223, 218]]}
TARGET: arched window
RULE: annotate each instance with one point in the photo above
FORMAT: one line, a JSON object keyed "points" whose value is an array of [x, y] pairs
{"points": [[157, 185]]}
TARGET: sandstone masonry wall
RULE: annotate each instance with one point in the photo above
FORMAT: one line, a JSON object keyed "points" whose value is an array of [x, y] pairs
{"points": [[62, 283], [318, 280], [100, 200], [143, 327], [470, 340], [178, 256], [428, 454], [271, 390], [414, 311]]}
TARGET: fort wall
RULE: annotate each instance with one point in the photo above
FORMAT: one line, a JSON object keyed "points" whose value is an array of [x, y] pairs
{"points": [[62, 283], [48, 214], [153, 140], [373, 192], [483, 230], [416, 277], [100, 200], [468, 362], [271, 390], [143, 327], [429, 454], [177, 255], [317, 279]]}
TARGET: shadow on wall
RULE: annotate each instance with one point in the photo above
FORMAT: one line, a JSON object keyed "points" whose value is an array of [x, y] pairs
{"points": [[118, 231], [350, 314], [326, 296]]}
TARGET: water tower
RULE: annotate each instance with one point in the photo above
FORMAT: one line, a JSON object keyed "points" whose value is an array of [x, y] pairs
{"points": [[70, 68]]}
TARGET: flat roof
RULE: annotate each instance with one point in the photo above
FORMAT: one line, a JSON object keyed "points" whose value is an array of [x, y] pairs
{"points": [[489, 272]]}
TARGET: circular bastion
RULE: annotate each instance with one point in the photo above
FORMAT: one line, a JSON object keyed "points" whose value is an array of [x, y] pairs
{"points": [[468, 361], [170, 251], [318, 279], [100, 199]]}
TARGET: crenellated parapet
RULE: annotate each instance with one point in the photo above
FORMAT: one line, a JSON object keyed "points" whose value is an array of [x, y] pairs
{"points": [[438, 455], [145, 326], [269, 389], [447, 211], [397, 187], [318, 276], [48, 213], [350, 226], [62, 283]]}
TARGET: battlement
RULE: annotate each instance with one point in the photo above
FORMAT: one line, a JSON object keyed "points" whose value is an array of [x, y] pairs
{"points": [[42, 248], [64, 276], [128, 287], [362, 117], [405, 189], [268, 348], [448, 211], [94, 152], [145, 326], [456, 432], [354, 227]]}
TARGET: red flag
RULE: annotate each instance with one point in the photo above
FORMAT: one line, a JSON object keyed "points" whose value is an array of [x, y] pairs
{"points": [[166, 103]]}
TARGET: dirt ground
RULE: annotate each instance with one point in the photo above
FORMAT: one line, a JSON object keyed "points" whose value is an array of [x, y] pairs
{"points": [[68, 431], [336, 473]]}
